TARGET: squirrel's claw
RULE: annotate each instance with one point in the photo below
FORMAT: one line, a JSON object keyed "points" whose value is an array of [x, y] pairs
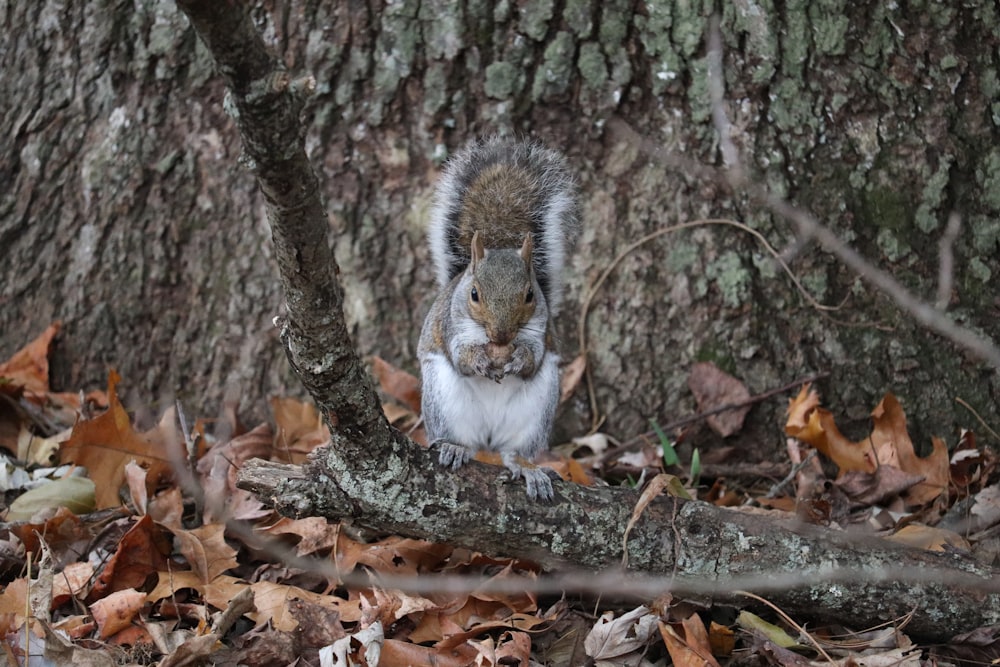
{"points": [[539, 486], [452, 456]]}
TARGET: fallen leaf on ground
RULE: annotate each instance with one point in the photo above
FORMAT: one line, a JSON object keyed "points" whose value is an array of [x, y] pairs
{"points": [[397, 384], [104, 444], [690, 648], [888, 445], [116, 611], [612, 638], [299, 429], [714, 388]]}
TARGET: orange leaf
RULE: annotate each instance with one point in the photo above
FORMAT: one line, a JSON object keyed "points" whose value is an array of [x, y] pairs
{"points": [[104, 444], [29, 367], [691, 650], [116, 611], [815, 426], [894, 447], [300, 429], [397, 383], [396, 652]]}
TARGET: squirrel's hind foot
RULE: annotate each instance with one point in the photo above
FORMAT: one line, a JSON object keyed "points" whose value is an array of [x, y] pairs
{"points": [[539, 485], [452, 456]]}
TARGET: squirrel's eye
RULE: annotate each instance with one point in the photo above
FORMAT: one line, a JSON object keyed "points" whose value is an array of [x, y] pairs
{"points": [[530, 296], [474, 295]]}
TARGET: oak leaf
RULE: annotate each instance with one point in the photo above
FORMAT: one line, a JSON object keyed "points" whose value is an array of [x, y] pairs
{"points": [[106, 443]]}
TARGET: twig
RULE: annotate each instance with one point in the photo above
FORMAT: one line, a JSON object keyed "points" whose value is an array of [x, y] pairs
{"points": [[975, 414], [596, 416], [714, 411], [810, 228], [947, 261], [788, 619]]}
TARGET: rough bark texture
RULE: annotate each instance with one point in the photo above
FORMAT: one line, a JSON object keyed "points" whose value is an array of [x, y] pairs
{"points": [[694, 545], [380, 479], [125, 216]]}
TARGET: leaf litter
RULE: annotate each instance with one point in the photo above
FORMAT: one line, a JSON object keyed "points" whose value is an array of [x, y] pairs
{"points": [[136, 555]]}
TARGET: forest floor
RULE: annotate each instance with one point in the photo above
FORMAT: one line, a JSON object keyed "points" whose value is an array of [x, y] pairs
{"points": [[125, 541]]}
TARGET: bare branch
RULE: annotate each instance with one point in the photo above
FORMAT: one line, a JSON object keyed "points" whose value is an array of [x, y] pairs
{"points": [[946, 269]]}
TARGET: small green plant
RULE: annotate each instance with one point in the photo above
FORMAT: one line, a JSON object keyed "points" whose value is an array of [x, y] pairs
{"points": [[670, 457]]}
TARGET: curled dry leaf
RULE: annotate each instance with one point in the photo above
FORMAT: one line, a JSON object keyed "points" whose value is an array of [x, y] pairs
{"points": [[106, 443], [888, 445], [612, 638], [116, 611], [300, 429], [692, 649]]}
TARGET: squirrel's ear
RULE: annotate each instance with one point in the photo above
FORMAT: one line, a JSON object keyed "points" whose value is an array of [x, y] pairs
{"points": [[477, 250], [527, 248]]}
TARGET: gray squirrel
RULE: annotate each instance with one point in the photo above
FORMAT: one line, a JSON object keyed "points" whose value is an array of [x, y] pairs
{"points": [[505, 216]]}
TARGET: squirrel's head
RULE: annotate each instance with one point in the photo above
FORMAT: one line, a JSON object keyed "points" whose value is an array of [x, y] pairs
{"points": [[503, 294]]}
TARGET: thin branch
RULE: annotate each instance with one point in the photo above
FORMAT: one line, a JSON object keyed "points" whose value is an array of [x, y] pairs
{"points": [[946, 267], [807, 226]]}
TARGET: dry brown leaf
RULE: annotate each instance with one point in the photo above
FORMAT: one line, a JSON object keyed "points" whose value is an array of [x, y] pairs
{"points": [[524, 622], [206, 550], [713, 388], [930, 538], [13, 600], [571, 375], [116, 611], [135, 477], [106, 443], [865, 489], [65, 536], [513, 648], [397, 384], [316, 533], [194, 651], [72, 583], [692, 649], [299, 429], [217, 471], [396, 653], [29, 367], [401, 555], [142, 551], [721, 639], [272, 602]]}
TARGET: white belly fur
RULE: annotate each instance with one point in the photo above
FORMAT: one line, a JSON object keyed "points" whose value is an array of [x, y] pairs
{"points": [[482, 414]]}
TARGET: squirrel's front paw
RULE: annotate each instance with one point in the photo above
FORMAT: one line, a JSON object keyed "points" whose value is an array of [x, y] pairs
{"points": [[522, 363], [452, 456]]}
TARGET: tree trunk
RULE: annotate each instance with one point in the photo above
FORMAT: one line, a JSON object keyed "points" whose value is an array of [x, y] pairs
{"points": [[125, 217]]}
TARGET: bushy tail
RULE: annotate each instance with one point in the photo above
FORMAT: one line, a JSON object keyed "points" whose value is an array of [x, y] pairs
{"points": [[504, 188]]}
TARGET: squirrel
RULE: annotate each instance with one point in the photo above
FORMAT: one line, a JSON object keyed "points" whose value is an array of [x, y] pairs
{"points": [[505, 216]]}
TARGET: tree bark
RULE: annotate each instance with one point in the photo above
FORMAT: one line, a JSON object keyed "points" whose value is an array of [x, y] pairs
{"points": [[125, 217], [378, 478], [698, 550]]}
